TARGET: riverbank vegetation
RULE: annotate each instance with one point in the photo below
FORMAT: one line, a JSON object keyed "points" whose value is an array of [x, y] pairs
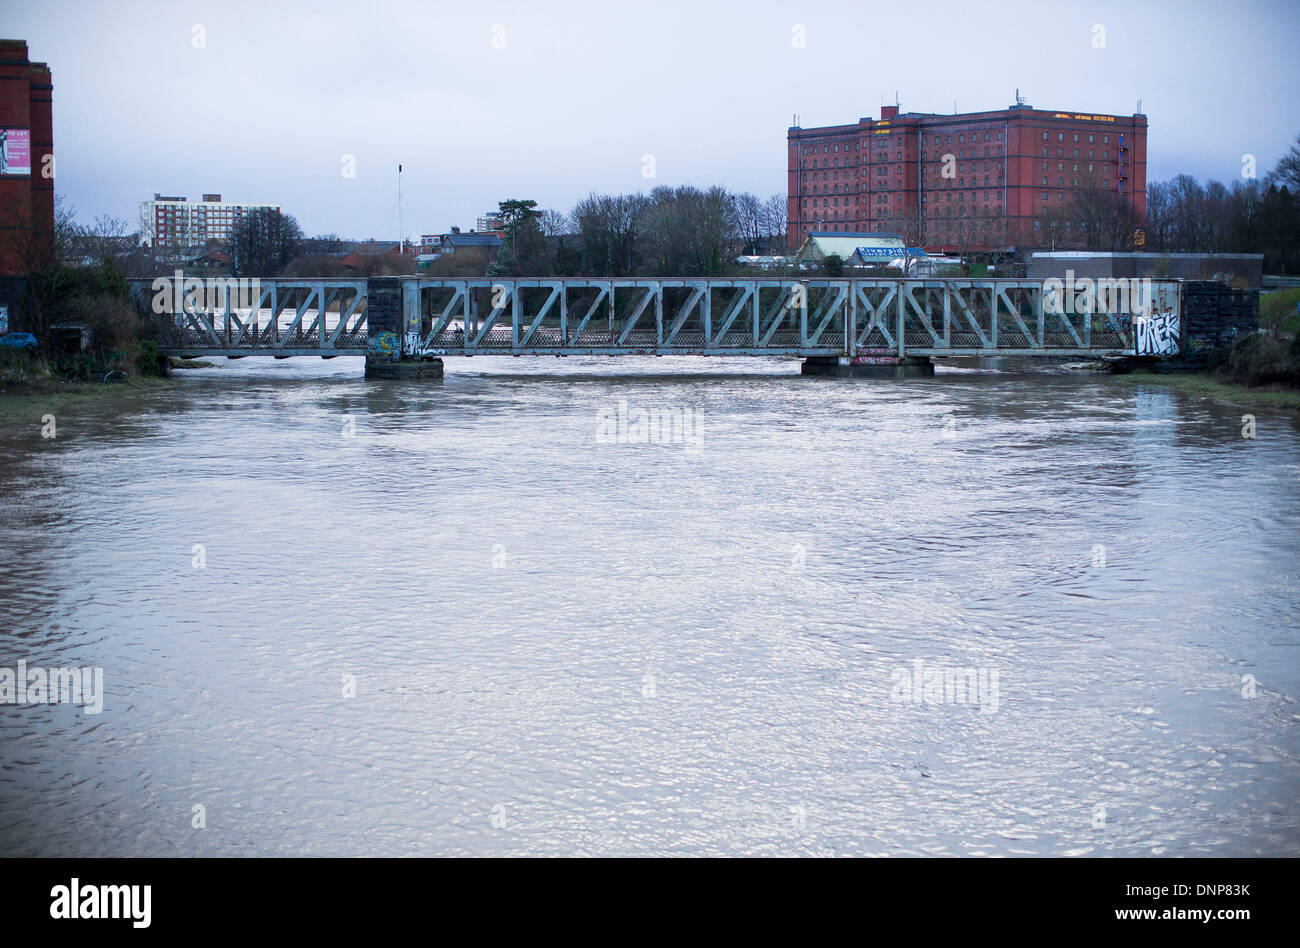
{"points": [[1255, 371], [30, 387], [1283, 399]]}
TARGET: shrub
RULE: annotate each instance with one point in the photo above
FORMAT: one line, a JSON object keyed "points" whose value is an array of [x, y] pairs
{"points": [[146, 357], [1257, 359]]}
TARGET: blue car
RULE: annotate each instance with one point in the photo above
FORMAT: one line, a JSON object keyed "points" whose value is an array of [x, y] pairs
{"points": [[20, 340]]}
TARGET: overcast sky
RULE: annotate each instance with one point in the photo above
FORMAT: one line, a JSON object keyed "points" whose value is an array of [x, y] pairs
{"points": [[553, 99]]}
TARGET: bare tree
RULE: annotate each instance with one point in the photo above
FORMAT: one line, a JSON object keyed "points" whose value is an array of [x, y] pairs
{"points": [[263, 242], [1287, 172], [611, 230], [775, 220], [1106, 218], [749, 221], [556, 224]]}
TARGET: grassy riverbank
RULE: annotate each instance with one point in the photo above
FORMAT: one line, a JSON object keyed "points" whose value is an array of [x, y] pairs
{"points": [[1199, 383], [25, 400]]}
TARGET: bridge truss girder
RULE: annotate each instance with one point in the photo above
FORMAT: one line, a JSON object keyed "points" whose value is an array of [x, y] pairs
{"points": [[689, 316]]}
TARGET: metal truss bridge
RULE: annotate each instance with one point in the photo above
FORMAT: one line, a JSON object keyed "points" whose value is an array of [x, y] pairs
{"points": [[862, 319]]}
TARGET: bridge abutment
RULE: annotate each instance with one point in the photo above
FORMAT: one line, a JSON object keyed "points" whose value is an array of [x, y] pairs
{"points": [[869, 367]]}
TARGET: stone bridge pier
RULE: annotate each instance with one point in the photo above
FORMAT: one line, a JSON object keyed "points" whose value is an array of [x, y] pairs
{"points": [[393, 332]]}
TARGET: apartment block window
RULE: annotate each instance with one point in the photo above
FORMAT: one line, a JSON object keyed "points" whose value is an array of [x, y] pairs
{"points": [[1044, 136], [1060, 136], [1091, 139], [1076, 137], [1105, 139], [1076, 182]]}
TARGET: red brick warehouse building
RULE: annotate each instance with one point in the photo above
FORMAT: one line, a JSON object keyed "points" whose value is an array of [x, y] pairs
{"points": [[26, 149], [1011, 174]]}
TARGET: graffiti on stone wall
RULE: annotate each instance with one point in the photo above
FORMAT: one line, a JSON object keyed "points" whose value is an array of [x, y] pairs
{"points": [[385, 343], [1157, 327], [1157, 334]]}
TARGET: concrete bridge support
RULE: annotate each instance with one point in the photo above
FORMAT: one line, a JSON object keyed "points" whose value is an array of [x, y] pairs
{"points": [[845, 367], [391, 316]]}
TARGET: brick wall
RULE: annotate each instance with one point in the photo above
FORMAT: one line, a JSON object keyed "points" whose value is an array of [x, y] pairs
{"points": [[26, 200]]}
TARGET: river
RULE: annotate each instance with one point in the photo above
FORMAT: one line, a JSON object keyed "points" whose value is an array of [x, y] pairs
{"points": [[1009, 610]]}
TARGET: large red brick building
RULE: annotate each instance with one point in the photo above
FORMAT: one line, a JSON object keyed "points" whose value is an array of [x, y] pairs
{"points": [[26, 150], [968, 181]]}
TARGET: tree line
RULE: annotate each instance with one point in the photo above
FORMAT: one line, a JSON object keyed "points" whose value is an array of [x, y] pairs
{"points": [[670, 231]]}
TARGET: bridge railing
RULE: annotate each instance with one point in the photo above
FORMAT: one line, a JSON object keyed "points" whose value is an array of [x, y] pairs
{"points": [[693, 316]]}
